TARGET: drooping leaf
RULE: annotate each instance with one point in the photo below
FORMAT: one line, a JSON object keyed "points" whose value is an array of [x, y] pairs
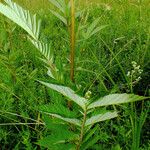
{"points": [[115, 99], [49, 73], [66, 91], [100, 117], [69, 120], [21, 17], [44, 48]]}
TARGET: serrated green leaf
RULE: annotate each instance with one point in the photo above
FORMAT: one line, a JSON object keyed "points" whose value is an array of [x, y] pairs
{"points": [[66, 91], [69, 120], [100, 117], [21, 17], [44, 48], [115, 99]]}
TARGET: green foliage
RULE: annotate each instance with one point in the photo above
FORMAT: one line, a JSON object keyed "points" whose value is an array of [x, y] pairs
{"points": [[103, 59], [84, 122]]}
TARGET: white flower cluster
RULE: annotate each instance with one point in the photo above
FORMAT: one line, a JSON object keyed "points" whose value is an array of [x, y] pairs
{"points": [[135, 73], [88, 94]]}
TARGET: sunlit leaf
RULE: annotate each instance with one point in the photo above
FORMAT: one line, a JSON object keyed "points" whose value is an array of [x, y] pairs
{"points": [[114, 99], [100, 117], [21, 17], [66, 91]]}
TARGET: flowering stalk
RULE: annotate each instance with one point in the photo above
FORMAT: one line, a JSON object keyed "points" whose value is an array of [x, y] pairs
{"points": [[134, 77]]}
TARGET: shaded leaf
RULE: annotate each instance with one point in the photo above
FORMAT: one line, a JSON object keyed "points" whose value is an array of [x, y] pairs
{"points": [[90, 133], [90, 143], [69, 120]]}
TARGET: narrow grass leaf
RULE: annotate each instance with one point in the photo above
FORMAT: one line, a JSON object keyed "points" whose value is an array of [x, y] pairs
{"points": [[98, 29], [90, 133], [63, 19], [92, 27]]}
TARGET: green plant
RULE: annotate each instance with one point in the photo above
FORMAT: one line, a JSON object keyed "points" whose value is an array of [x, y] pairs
{"points": [[80, 133], [87, 121], [137, 119]]}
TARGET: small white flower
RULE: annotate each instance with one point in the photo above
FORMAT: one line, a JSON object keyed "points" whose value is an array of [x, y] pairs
{"points": [[134, 64], [140, 71], [137, 67]]}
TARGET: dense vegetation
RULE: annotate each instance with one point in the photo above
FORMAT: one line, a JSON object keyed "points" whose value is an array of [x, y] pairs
{"points": [[112, 59]]}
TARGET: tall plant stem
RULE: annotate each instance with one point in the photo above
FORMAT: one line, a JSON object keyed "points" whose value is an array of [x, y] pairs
{"points": [[82, 130], [72, 40]]}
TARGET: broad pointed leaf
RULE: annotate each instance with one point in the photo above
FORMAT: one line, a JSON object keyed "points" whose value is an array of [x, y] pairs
{"points": [[100, 117], [66, 91], [115, 99]]}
